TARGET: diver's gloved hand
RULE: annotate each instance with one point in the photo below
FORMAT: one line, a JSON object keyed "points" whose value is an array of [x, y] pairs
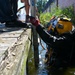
{"points": [[34, 21]]}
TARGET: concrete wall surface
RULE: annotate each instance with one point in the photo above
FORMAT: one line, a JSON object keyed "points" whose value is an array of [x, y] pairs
{"points": [[66, 3], [14, 48]]}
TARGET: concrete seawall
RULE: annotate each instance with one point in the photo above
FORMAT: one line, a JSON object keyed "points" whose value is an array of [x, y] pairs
{"points": [[14, 47]]}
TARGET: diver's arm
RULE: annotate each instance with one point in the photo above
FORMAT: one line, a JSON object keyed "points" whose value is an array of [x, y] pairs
{"points": [[48, 38]]}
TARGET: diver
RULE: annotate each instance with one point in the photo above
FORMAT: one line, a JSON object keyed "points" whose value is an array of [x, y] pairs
{"points": [[62, 44]]}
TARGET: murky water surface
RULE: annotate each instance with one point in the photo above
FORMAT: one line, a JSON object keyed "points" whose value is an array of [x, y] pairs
{"points": [[44, 69]]}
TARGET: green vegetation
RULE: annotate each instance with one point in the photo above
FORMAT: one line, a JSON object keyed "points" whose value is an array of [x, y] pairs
{"points": [[40, 5], [69, 12]]}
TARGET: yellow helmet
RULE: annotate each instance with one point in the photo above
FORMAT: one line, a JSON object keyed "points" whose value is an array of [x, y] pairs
{"points": [[63, 25]]}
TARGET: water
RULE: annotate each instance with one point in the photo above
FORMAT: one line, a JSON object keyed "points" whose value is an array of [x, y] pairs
{"points": [[44, 69]]}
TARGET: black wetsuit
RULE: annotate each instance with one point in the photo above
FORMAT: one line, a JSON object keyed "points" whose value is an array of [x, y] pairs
{"points": [[63, 45]]}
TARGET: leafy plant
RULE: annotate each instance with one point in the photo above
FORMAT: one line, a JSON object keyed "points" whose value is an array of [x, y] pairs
{"points": [[45, 17], [69, 12]]}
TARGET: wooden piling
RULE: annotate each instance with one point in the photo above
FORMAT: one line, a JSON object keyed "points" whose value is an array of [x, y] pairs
{"points": [[35, 37]]}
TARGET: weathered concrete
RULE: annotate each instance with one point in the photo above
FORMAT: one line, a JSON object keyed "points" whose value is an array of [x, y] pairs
{"points": [[14, 47]]}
